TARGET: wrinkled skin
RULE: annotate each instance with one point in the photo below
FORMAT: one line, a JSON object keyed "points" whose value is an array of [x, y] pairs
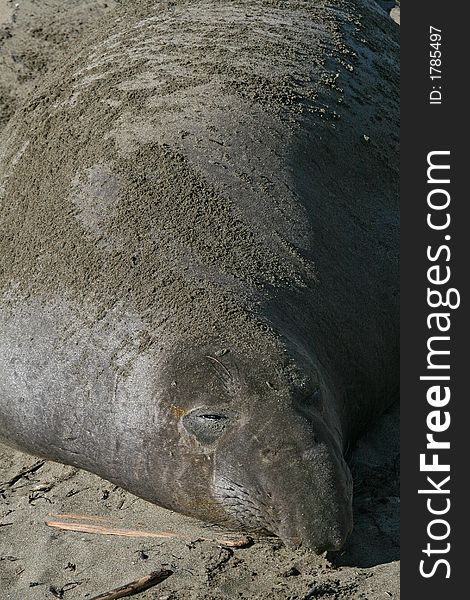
{"points": [[248, 444], [278, 469], [198, 260]]}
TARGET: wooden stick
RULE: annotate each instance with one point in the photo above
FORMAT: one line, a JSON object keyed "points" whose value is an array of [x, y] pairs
{"points": [[241, 542], [86, 528], [24, 472], [135, 587], [84, 517]]}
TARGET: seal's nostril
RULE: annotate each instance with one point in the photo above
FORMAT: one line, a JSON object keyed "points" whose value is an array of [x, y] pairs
{"points": [[337, 543]]}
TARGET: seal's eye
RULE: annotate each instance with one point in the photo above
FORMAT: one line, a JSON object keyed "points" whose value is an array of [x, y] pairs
{"points": [[206, 426], [213, 417]]}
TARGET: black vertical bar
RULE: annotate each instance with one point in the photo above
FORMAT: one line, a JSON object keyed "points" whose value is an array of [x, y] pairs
{"points": [[434, 118]]}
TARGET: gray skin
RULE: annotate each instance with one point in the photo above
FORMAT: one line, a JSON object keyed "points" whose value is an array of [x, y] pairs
{"points": [[198, 258]]}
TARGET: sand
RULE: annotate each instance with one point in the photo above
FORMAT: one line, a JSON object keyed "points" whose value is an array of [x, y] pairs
{"points": [[37, 561], [33, 34]]}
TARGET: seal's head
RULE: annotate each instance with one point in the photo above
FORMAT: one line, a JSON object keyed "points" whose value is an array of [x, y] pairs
{"points": [[254, 444]]}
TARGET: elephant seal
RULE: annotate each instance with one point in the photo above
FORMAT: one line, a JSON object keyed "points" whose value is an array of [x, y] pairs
{"points": [[199, 273]]}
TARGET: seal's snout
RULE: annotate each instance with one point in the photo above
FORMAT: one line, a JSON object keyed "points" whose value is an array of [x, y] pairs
{"points": [[317, 516], [317, 536], [311, 486], [296, 485]]}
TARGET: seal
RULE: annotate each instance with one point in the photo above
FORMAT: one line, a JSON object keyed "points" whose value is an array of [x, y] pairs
{"points": [[198, 258]]}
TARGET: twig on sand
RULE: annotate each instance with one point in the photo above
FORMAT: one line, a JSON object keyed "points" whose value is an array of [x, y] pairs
{"points": [[89, 528], [135, 587], [23, 473], [83, 517], [240, 542]]}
